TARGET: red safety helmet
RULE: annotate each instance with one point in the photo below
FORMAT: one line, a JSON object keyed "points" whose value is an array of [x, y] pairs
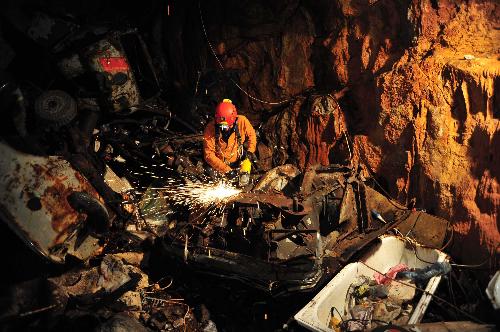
{"points": [[225, 113]]}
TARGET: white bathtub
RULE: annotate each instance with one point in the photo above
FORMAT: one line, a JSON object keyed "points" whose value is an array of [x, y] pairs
{"points": [[390, 251]]}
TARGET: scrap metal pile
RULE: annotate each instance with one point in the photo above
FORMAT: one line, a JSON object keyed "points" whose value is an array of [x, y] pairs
{"points": [[289, 232], [99, 176]]}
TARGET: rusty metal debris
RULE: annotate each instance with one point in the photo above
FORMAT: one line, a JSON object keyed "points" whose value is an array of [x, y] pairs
{"points": [[84, 162], [41, 200], [316, 225], [115, 285], [122, 67], [289, 232]]}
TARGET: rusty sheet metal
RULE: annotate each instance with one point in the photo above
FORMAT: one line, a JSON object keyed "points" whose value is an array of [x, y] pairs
{"points": [[277, 178], [340, 251], [116, 183], [307, 180], [426, 229], [33, 202], [124, 92], [275, 199], [347, 207], [380, 203], [279, 201]]}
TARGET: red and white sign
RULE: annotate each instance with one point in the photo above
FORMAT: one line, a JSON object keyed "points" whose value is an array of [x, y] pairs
{"points": [[114, 64]]}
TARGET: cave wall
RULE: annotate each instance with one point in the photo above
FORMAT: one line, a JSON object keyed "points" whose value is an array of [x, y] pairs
{"points": [[422, 117], [436, 138]]}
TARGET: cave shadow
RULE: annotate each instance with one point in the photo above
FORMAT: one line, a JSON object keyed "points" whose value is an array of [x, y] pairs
{"points": [[392, 165], [468, 248], [365, 108], [496, 98], [325, 78], [459, 113], [363, 81], [484, 154], [478, 99], [328, 136]]}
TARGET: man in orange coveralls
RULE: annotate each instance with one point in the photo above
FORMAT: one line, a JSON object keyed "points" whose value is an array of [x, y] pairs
{"points": [[225, 138]]}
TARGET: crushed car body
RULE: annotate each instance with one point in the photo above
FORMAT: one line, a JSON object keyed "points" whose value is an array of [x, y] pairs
{"points": [[51, 206], [290, 232]]}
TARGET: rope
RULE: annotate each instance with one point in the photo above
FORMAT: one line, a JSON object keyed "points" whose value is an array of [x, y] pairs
{"points": [[223, 69]]}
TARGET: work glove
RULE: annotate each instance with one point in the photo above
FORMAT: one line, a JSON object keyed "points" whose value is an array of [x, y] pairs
{"points": [[247, 154], [232, 174], [251, 156]]}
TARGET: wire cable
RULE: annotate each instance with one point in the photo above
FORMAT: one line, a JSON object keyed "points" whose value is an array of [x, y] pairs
{"points": [[223, 69], [413, 243], [428, 293], [348, 147], [372, 173], [473, 266]]}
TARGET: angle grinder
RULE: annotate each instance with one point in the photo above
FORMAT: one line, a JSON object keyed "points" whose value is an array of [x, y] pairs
{"points": [[244, 174]]}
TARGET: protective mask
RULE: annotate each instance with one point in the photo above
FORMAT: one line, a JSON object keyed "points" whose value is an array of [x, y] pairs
{"points": [[223, 126]]}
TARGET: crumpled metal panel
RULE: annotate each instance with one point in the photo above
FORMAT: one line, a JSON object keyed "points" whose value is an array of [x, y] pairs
{"points": [[277, 178], [33, 202], [426, 229], [277, 278], [124, 94], [282, 226]]}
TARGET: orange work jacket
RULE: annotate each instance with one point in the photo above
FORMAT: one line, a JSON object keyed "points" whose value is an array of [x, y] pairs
{"points": [[219, 155]]}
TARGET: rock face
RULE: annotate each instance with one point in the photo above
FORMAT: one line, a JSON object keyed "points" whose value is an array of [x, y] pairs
{"points": [[436, 132], [423, 106]]}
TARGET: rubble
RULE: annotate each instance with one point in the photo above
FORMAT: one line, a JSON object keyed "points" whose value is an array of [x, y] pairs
{"points": [[367, 116], [114, 290], [276, 218], [369, 292], [121, 322]]}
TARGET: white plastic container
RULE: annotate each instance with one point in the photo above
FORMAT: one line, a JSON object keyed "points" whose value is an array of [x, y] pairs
{"points": [[391, 251], [493, 290]]}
